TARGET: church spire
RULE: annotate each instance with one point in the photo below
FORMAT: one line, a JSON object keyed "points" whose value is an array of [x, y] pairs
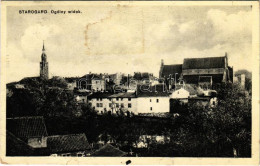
{"points": [[43, 49]]}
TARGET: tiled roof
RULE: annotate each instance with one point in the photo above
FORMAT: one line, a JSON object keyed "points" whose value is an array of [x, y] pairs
{"points": [[27, 127], [172, 69], [152, 91], [100, 95], [112, 95], [204, 63], [67, 143], [123, 95], [17, 147], [109, 151]]}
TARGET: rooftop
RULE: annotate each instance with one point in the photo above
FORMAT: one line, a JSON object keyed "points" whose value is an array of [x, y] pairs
{"points": [[17, 147], [204, 63], [110, 151], [27, 127], [152, 91], [171, 70], [67, 143]]}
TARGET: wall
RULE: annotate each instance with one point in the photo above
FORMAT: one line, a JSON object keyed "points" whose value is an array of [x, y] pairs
{"points": [[180, 94], [81, 98], [38, 142], [98, 85], [144, 104], [105, 104]]}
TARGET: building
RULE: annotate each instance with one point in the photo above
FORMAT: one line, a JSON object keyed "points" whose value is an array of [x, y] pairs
{"points": [[199, 71], [98, 83], [68, 145], [44, 70], [241, 79], [207, 71], [81, 96], [145, 140], [146, 99], [105, 102], [93, 82], [31, 130], [142, 78], [152, 99], [170, 74], [116, 78]]}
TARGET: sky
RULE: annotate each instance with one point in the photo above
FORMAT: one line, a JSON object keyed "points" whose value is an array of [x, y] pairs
{"points": [[125, 38]]}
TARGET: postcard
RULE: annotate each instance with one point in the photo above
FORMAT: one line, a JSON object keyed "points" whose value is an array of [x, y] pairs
{"points": [[130, 83]]}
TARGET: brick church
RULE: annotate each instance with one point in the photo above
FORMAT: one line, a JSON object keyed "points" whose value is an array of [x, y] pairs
{"points": [[200, 71]]}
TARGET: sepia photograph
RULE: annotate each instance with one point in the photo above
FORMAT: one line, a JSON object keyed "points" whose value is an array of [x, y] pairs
{"points": [[130, 80]]}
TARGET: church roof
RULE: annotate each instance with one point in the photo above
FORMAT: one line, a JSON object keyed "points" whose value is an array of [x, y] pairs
{"points": [[171, 69], [204, 63]]}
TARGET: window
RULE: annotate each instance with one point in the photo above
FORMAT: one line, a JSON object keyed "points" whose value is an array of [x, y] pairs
{"points": [[100, 104], [97, 104], [117, 105], [121, 99], [129, 99], [110, 99], [151, 108], [100, 99], [150, 100], [97, 99], [110, 105], [122, 105], [117, 99], [157, 100], [129, 105]]}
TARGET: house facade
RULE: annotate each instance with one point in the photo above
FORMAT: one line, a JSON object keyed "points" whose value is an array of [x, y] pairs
{"points": [[154, 100], [153, 104], [104, 102]]}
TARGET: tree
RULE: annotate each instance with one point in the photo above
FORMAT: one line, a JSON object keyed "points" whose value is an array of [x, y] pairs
{"points": [[223, 131]]}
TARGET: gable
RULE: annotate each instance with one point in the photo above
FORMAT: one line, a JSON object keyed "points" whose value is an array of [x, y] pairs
{"points": [[171, 70]]}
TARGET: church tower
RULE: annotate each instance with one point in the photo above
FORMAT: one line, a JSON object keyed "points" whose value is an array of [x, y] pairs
{"points": [[44, 71]]}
